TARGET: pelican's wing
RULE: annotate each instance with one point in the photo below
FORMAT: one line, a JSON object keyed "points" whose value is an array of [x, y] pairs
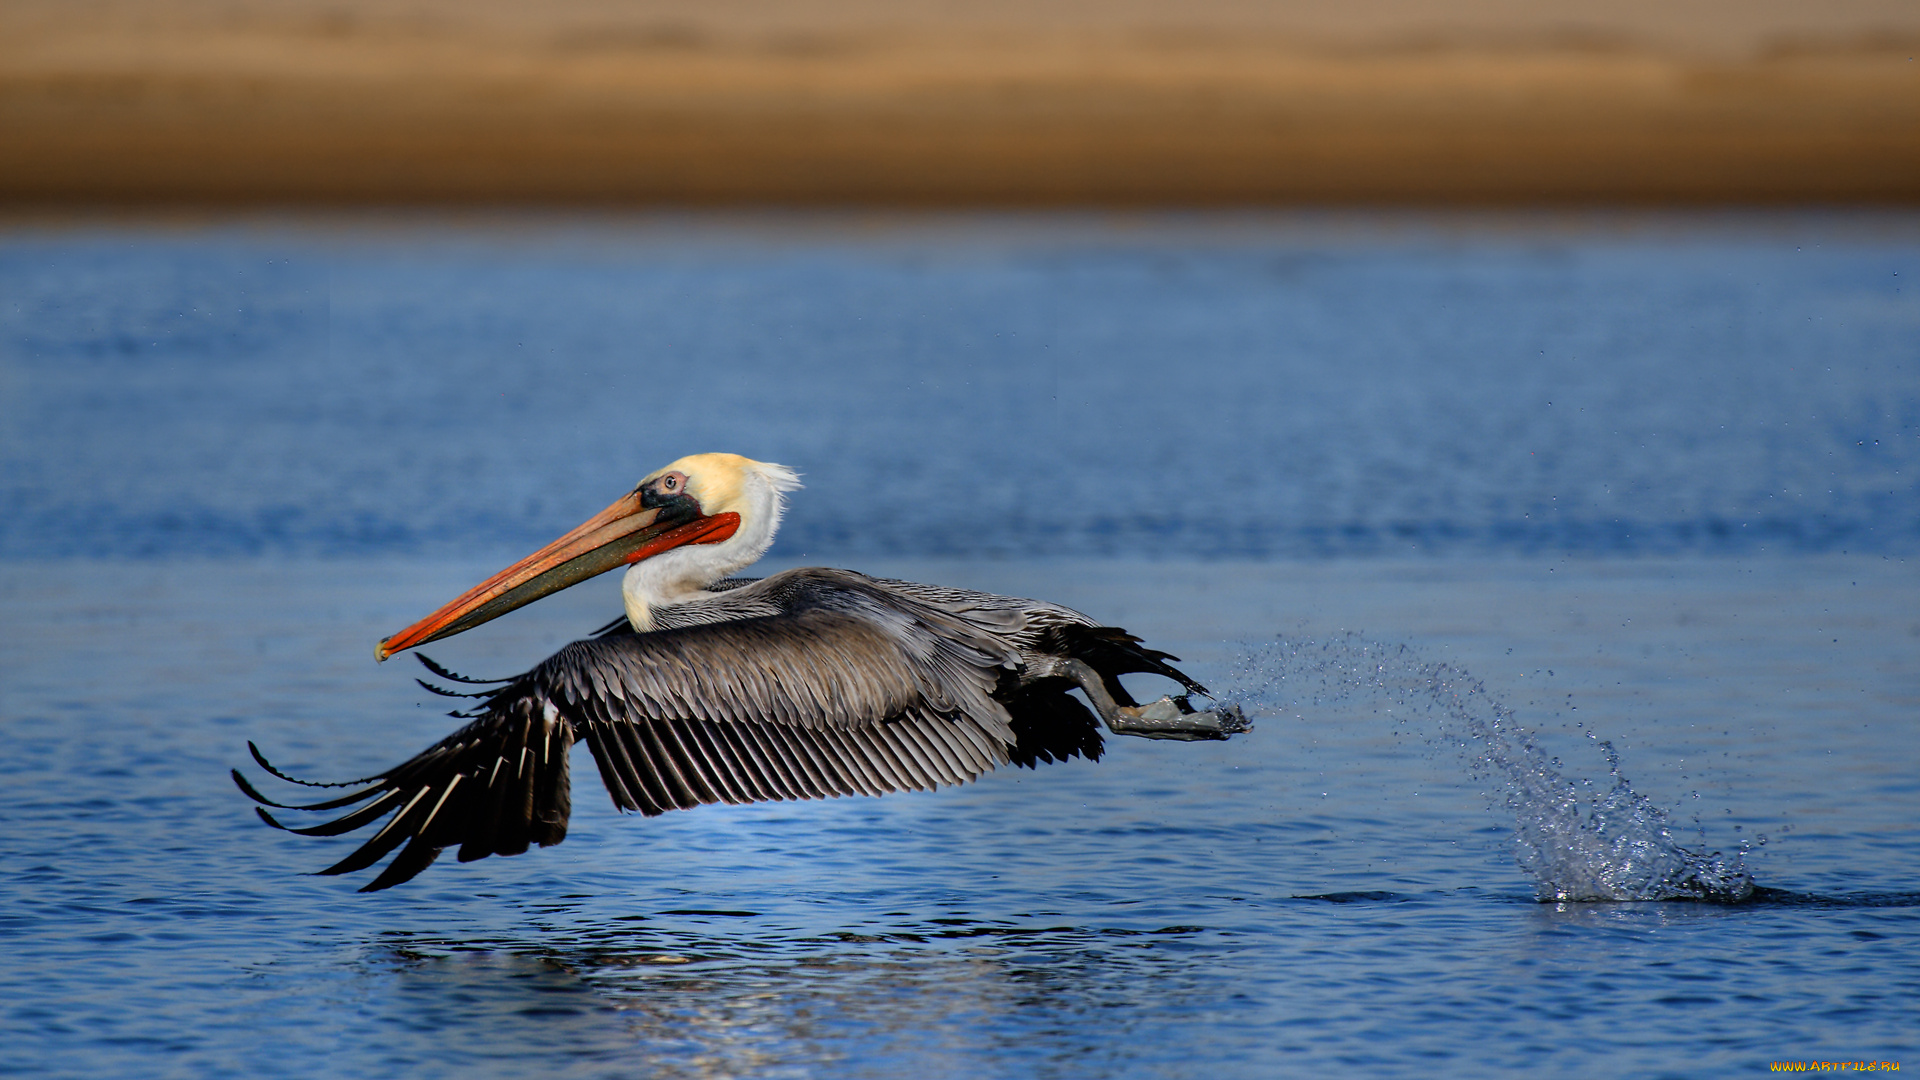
{"points": [[848, 690], [495, 787]]}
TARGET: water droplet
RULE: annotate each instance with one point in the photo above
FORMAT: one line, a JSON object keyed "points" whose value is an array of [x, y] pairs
{"points": [[1577, 844]]}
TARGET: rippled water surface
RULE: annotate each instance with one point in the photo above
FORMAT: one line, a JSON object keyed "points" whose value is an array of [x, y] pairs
{"points": [[1646, 483], [1216, 387]]}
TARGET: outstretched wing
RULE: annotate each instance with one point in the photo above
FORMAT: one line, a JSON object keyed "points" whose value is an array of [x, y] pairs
{"points": [[495, 787], [848, 690]]}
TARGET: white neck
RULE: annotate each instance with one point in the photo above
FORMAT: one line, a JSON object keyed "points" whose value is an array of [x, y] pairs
{"points": [[681, 575]]}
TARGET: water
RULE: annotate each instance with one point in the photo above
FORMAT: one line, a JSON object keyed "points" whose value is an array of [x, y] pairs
{"points": [[236, 453], [1206, 387], [1610, 843]]}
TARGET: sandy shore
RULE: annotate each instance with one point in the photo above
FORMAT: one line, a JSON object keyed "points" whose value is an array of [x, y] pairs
{"points": [[298, 101]]}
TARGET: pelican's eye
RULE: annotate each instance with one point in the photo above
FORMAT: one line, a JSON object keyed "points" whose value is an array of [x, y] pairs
{"points": [[660, 489]]}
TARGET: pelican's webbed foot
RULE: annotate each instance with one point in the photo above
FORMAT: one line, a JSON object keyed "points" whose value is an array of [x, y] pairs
{"points": [[1176, 718], [1168, 718]]}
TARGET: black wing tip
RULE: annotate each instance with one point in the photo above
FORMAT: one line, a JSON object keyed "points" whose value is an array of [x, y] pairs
{"points": [[444, 692], [268, 818], [414, 858], [382, 883], [271, 768], [248, 789], [427, 661], [378, 884]]}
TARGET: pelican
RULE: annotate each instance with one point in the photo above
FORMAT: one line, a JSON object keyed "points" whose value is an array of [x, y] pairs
{"points": [[721, 689]]}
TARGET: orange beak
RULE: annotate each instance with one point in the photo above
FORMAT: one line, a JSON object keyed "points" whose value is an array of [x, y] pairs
{"points": [[622, 534]]}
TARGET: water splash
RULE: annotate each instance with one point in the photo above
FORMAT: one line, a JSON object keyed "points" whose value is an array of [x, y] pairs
{"points": [[1575, 841]]}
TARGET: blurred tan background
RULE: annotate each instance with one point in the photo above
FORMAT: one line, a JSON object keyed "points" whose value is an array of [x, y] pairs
{"points": [[929, 102]]}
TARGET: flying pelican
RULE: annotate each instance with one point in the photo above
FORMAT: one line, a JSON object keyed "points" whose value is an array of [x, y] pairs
{"points": [[714, 688]]}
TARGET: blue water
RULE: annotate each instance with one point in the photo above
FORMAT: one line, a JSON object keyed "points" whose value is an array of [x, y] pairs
{"points": [[1639, 484], [1203, 387]]}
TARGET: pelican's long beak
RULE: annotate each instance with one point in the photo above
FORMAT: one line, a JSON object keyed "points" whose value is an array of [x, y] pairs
{"points": [[623, 533]]}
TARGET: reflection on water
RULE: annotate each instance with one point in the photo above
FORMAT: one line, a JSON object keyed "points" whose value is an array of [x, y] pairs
{"points": [[705, 997], [949, 997]]}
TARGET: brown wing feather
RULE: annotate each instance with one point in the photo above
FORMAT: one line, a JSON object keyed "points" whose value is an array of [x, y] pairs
{"points": [[851, 690], [495, 787], [842, 650]]}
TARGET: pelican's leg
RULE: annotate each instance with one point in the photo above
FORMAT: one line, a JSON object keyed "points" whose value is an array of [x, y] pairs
{"points": [[1174, 717], [1168, 718]]}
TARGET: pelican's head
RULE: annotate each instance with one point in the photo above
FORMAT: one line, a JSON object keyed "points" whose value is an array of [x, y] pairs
{"points": [[697, 520]]}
